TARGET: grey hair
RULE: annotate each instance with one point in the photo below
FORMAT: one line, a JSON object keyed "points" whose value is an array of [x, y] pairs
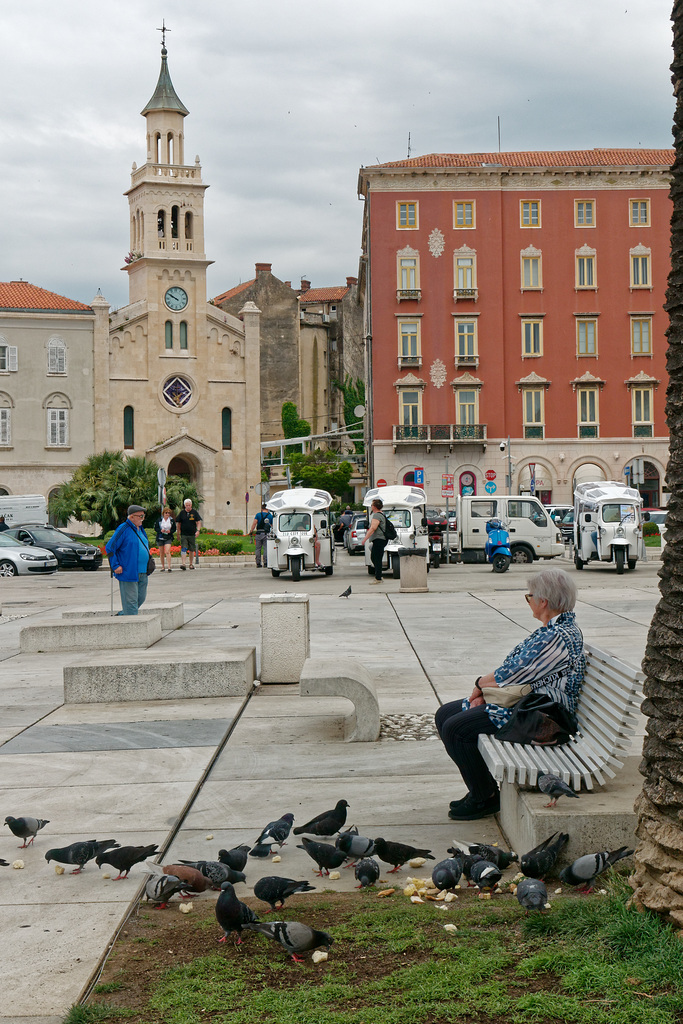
{"points": [[554, 586], [187, 499]]}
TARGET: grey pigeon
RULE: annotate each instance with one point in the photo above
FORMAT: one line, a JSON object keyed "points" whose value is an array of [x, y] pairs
{"points": [[366, 872], [532, 894], [124, 857], [355, 846], [398, 853], [346, 593], [327, 857], [160, 888], [468, 863], [231, 913], [274, 832], [293, 936], [25, 828], [216, 872], [539, 861], [554, 787], [80, 853], [235, 858], [501, 858], [484, 874], [273, 889], [447, 873], [585, 870], [260, 850], [328, 823]]}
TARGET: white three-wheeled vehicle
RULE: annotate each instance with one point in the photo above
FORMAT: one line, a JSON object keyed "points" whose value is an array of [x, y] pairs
{"points": [[608, 524], [406, 507], [301, 519]]}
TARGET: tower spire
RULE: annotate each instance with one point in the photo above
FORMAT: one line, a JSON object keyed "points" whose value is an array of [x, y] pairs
{"points": [[165, 97]]}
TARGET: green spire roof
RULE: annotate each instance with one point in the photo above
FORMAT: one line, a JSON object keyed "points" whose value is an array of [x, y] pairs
{"points": [[165, 96]]}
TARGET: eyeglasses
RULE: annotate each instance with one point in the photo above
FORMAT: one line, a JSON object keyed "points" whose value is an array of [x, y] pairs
{"points": [[528, 598]]}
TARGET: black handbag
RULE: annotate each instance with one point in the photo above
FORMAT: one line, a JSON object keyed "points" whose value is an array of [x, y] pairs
{"points": [[540, 721], [151, 564]]}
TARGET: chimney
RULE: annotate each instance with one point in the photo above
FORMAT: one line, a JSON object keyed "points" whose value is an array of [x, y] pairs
{"points": [[350, 281], [263, 268], [305, 285]]}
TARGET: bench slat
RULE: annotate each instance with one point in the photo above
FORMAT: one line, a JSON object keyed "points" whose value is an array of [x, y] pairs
{"points": [[596, 654]]}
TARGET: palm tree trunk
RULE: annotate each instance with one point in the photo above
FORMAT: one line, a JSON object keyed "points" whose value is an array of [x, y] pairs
{"points": [[658, 877]]}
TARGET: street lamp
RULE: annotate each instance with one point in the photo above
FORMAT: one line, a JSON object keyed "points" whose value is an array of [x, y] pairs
{"points": [[505, 449]]}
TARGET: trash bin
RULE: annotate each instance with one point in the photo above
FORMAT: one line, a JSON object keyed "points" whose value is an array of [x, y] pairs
{"points": [[413, 571]]}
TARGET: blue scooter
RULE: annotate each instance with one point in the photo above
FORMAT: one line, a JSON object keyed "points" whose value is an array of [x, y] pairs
{"points": [[497, 546]]}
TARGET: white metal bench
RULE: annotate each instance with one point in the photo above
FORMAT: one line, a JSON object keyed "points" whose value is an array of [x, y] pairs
{"points": [[607, 712]]}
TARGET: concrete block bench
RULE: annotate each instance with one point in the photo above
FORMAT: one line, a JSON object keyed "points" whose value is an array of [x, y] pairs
{"points": [[90, 634], [344, 677], [172, 614], [160, 675]]}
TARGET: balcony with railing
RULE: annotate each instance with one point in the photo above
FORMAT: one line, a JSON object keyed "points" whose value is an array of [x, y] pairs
{"points": [[405, 362], [439, 433], [467, 360], [462, 294], [404, 294]]}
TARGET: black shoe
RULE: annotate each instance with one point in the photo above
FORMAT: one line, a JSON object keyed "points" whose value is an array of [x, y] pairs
{"points": [[472, 810], [459, 803]]}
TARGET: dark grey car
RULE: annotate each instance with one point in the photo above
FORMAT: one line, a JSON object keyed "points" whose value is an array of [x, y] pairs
{"points": [[70, 553]]}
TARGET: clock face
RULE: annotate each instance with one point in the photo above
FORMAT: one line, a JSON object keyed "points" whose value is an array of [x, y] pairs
{"points": [[176, 298]]}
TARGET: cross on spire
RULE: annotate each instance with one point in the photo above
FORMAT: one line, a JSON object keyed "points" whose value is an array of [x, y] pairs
{"points": [[163, 31]]}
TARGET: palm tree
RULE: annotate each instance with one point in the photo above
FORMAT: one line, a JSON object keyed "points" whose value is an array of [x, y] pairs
{"points": [[658, 877]]}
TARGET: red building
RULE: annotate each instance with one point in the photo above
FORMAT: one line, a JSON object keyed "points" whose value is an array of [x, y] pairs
{"points": [[518, 295]]}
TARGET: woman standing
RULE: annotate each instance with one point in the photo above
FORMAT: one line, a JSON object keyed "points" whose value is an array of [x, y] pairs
{"points": [[165, 530]]}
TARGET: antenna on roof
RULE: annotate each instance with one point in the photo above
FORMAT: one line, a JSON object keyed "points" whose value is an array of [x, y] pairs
{"points": [[409, 145], [499, 133]]}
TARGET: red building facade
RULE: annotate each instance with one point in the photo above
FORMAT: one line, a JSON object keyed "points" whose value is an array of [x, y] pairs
{"points": [[518, 295]]}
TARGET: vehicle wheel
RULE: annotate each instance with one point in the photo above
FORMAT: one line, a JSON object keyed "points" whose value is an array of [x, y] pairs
{"points": [[632, 562], [619, 558], [329, 569], [371, 570], [295, 564], [8, 569], [522, 556], [276, 572], [578, 561], [396, 566], [501, 563], [435, 561]]}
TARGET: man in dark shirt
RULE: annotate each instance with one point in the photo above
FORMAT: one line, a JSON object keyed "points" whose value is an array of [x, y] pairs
{"points": [[188, 522], [3, 524]]}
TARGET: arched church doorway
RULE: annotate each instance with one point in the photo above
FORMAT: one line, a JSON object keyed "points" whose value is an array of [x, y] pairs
{"points": [[587, 473], [180, 466]]}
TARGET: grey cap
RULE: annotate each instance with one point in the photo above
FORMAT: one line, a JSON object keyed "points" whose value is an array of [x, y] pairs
{"points": [[135, 508]]}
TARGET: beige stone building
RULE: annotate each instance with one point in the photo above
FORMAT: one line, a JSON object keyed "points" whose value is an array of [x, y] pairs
{"points": [[178, 379]]}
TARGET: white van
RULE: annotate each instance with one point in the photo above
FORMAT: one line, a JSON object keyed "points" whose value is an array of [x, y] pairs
{"points": [[23, 508], [533, 534]]}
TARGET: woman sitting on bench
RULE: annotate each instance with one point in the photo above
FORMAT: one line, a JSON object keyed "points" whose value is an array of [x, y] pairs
{"points": [[550, 661]]}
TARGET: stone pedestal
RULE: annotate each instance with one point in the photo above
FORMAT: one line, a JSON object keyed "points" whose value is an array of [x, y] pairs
{"points": [[172, 613], [285, 637], [90, 634], [413, 571]]}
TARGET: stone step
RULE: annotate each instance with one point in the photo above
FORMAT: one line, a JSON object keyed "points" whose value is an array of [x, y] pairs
{"points": [[160, 675], [172, 613], [88, 634]]}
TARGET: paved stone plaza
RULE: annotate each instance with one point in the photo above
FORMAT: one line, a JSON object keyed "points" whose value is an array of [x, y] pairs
{"points": [[176, 772]]}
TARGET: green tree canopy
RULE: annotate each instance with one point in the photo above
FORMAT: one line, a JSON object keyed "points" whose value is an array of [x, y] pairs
{"points": [[292, 426], [323, 469], [102, 488]]}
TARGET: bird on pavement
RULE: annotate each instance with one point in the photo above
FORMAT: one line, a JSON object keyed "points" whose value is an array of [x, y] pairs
{"points": [[216, 872], [539, 861], [398, 853], [235, 858], [79, 853], [25, 828], [468, 862], [586, 869], [4, 863], [532, 894], [274, 832], [326, 824], [447, 873], [554, 787], [346, 593], [293, 936], [484, 874], [355, 846], [232, 914], [326, 856], [501, 858], [194, 881], [160, 888], [366, 872], [123, 857], [273, 889]]}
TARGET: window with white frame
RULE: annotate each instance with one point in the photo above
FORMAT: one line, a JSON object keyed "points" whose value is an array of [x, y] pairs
{"points": [[584, 213], [406, 215], [58, 428], [641, 336], [464, 214], [9, 361], [639, 213], [466, 407], [532, 338], [587, 410], [5, 427], [586, 337], [533, 408], [642, 411], [532, 276], [56, 356], [409, 342], [530, 213], [640, 267], [466, 341]]}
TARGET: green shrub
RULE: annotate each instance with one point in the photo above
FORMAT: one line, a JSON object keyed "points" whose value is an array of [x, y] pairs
{"points": [[234, 547], [234, 533], [650, 530]]}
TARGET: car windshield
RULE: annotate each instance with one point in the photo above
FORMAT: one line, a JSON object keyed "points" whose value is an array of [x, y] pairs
{"points": [[617, 512], [569, 517], [50, 537], [294, 522], [9, 542]]}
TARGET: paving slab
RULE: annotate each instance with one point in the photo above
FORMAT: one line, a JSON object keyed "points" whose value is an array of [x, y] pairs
{"points": [[121, 736], [90, 634]]}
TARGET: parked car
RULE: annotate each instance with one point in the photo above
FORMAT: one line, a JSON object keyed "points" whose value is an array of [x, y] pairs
{"points": [[17, 560], [566, 526], [70, 553], [558, 512], [355, 535], [435, 517]]}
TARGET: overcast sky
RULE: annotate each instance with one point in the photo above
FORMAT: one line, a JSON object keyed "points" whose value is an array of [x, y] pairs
{"points": [[287, 100]]}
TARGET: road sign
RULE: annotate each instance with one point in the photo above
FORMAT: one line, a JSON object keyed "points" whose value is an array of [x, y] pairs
{"points": [[447, 485], [419, 476], [490, 487], [490, 474], [381, 483], [161, 476], [532, 477]]}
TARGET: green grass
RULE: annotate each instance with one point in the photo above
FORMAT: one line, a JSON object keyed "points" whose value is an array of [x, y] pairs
{"points": [[589, 960]]}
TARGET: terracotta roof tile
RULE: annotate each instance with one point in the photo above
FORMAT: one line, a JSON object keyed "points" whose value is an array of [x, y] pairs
{"points": [[334, 294], [20, 295], [233, 291], [552, 158]]}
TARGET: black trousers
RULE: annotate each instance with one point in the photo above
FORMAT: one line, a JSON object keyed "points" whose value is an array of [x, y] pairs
{"points": [[376, 555], [459, 731]]}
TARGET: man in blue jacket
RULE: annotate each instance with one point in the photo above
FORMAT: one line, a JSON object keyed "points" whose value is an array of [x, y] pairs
{"points": [[128, 552]]}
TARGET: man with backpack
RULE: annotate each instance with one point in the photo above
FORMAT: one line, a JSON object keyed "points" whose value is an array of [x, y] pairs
{"points": [[260, 527], [378, 534]]}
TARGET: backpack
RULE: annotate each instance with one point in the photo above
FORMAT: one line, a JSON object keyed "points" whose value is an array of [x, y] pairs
{"points": [[389, 529]]}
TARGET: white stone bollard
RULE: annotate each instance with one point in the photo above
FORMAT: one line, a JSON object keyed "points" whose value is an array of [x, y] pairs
{"points": [[413, 571], [285, 637]]}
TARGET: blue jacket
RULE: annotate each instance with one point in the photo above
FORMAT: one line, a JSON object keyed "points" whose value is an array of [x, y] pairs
{"points": [[124, 549]]}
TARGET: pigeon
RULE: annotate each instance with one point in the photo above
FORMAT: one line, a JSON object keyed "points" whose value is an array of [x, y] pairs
{"points": [[25, 828], [232, 914], [585, 870], [80, 853], [274, 832], [554, 787], [347, 592], [532, 894], [235, 858], [216, 872], [501, 858], [326, 824], [4, 863], [160, 888], [326, 856], [398, 853], [366, 872], [123, 857], [193, 881], [355, 846], [484, 874], [273, 889], [293, 936], [539, 861], [447, 873], [468, 863]]}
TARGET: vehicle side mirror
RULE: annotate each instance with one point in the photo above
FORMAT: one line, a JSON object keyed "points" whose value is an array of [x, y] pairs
{"points": [[646, 517], [587, 517], [323, 524], [424, 521]]}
